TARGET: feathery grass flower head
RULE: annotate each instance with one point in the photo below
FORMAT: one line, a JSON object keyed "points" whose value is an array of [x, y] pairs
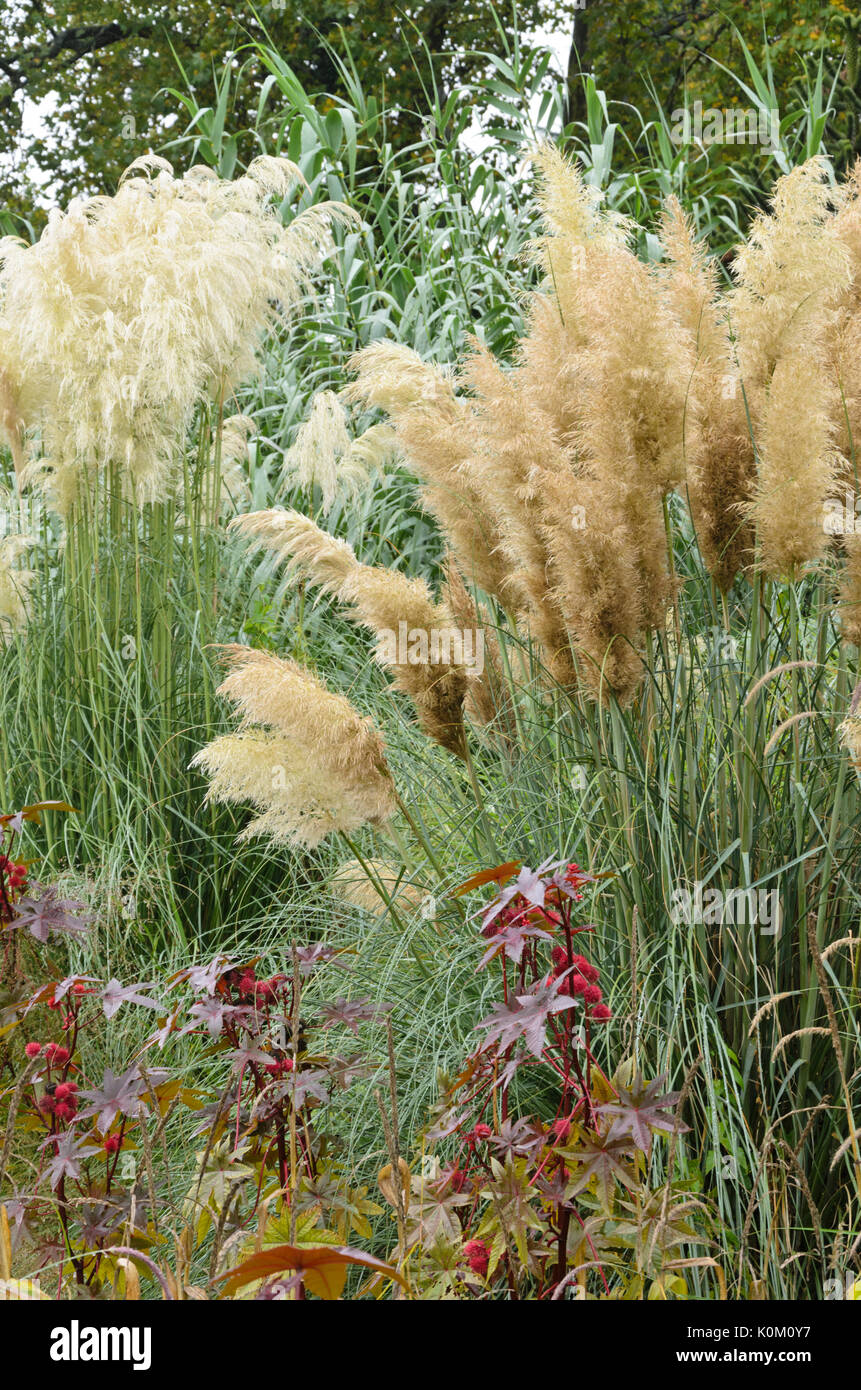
{"points": [[324, 453], [387, 602], [302, 756], [15, 584], [434, 430], [355, 885], [850, 736], [132, 309], [789, 274], [320, 444]]}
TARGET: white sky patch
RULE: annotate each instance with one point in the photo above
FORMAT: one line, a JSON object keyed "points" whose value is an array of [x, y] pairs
{"points": [[474, 137]]}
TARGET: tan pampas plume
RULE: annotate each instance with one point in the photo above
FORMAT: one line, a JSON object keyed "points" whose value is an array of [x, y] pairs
{"points": [[132, 310], [303, 756], [599, 590], [419, 643], [636, 374], [789, 278], [299, 543], [789, 274], [798, 466], [574, 217], [721, 467], [590, 576], [576, 226], [488, 699], [434, 432], [416, 638], [628, 369], [516, 451]]}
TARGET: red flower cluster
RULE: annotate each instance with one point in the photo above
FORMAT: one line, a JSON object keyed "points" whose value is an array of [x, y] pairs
{"points": [[478, 1135], [575, 878], [583, 980], [279, 1068], [477, 1256], [14, 874], [61, 1101], [246, 983], [55, 1055]]}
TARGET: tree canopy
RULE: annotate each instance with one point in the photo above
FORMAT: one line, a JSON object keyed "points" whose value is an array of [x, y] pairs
{"points": [[84, 86], [97, 73]]}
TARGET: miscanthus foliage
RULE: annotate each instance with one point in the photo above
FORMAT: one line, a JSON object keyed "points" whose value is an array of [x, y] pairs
{"points": [[133, 309]]}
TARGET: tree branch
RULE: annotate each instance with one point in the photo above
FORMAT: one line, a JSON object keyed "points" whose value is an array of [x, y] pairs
{"points": [[78, 40]]}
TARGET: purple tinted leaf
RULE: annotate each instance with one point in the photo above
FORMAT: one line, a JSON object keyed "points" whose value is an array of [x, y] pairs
{"points": [[350, 1013], [640, 1111], [312, 956], [41, 911], [511, 940], [241, 1056], [529, 884], [68, 1153], [345, 1070], [604, 1160], [527, 1017], [203, 977], [518, 1137], [118, 1095], [114, 995], [300, 1086], [213, 1012]]}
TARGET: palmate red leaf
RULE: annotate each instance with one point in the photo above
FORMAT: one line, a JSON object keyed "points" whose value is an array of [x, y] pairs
{"points": [[323, 1267], [497, 875]]}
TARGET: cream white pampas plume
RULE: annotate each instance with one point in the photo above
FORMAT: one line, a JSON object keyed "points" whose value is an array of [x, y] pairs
{"points": [[323, 452], [389, 604], [15, 585], [302, 756], [353, 885], [131, 310]]}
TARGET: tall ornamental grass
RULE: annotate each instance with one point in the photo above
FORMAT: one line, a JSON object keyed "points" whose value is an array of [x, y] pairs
{"points": [[640, 513], [127, 330]]}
